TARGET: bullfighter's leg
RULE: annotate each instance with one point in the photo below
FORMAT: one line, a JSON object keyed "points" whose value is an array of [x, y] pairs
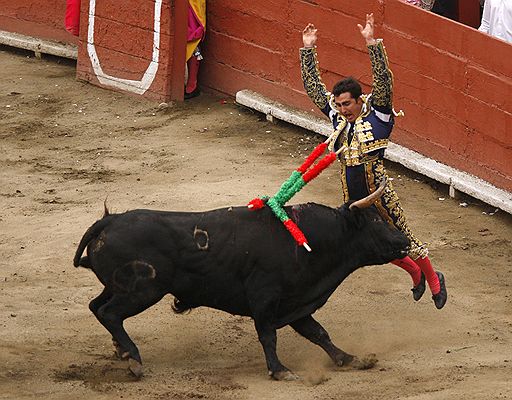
{"points": [[94, 306], [390, 209], [418, 277], [314, 332], [116, 310]]}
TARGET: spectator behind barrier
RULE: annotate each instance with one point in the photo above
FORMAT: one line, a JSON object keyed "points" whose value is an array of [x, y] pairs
{"points": [[195, 35], [425, 4], [446, 8], [72, 18], [497, 19]]}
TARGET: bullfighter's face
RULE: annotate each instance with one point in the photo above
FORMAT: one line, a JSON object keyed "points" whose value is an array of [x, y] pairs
{"points": [[349, 107]]}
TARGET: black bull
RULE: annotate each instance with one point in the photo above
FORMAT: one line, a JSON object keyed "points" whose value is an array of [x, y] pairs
{"points": [[233, 259]]}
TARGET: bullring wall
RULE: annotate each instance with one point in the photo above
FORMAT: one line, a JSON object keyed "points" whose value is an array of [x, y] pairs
{"points": [[136, 47], [38, 18], [453, 82]]}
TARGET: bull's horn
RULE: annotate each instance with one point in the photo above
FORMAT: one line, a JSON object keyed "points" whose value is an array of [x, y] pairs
{"points": [[370, 199]]}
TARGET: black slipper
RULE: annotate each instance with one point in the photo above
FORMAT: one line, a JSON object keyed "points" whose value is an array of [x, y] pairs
{"points": [[196, 92]]}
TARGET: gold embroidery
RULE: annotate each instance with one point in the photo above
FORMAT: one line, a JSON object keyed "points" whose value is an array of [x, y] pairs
{"points": [[342, 123], [344, 186], [375, 145], [365, 137], [313, 84], [366, 106], [362, 143], [390, 209], [363, 130], [371, 182], [382, 91]]}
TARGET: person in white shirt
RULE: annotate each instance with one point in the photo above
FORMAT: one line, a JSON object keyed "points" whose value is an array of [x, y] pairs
{"points": [[497, 19]]}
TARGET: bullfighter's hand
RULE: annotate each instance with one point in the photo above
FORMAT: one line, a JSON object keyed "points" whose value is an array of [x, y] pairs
{"points": [[367, 30], [309, 36]]}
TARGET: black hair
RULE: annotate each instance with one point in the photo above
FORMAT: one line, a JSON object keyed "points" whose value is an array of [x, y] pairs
{"points": [[349, 84]]}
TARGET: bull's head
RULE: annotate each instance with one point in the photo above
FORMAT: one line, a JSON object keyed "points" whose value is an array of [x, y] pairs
{"points": [[372, 240]]}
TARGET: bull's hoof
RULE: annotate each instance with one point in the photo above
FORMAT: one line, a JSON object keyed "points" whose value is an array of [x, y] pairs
{"points": [[285, 375], [366, 362], [135, 368]]}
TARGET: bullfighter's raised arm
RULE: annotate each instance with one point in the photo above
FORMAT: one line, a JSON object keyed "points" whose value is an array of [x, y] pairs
{"points": [[382, 91], [313, 84]]}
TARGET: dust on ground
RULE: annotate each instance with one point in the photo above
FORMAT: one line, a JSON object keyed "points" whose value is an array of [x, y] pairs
{"points": [[66, 146]]}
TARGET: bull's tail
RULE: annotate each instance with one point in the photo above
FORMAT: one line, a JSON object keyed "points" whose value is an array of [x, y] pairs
{"points": [[91, 233]]}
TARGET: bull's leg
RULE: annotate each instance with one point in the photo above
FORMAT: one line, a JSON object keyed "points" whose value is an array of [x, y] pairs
{"points": [[116, 310], [314, 332], [264, 299], [94, 306], [268, 339], [102, 299]]}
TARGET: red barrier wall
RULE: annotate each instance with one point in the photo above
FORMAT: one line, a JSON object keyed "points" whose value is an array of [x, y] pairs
{"points": [[37, 18], [453, 82], [123, 46]]}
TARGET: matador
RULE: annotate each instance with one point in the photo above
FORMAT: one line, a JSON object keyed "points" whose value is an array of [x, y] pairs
{"points": [[362, 126]]}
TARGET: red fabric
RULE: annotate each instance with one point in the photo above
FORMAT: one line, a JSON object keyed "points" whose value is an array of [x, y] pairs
{"points": [[72, 18], [317, 152], [295, 231], [256, 204], [322, 164], [408, 264], [430, 274], [193, 71], [195, 27]]}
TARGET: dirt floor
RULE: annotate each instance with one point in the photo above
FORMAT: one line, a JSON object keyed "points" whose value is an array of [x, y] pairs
{"points": [[66, 146]]}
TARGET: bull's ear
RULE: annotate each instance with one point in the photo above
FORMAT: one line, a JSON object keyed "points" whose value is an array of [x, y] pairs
{"points": [[352, 206], [345, 207]]}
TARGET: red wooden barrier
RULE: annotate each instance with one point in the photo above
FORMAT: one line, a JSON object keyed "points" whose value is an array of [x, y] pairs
{"points": [[453, 82], [137, 48], [38, 18]]}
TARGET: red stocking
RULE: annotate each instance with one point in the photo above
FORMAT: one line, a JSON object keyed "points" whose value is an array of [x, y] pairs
{"points": [[193, 70], [430, 274], [408, 264], [72, 17]]}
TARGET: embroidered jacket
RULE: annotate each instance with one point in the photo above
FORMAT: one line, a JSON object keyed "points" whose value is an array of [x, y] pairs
{"points": [[364, 141]]}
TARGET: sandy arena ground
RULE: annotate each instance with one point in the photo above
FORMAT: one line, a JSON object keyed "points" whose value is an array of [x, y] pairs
{"points": [[66, 146]]}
